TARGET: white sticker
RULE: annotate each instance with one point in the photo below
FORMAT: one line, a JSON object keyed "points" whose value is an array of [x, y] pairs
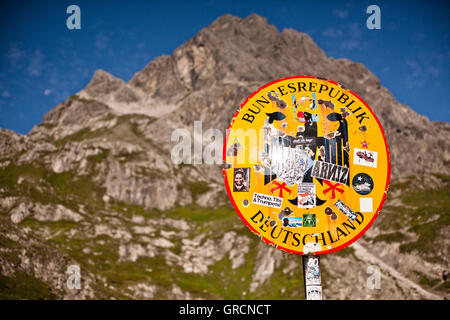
{"points": [[365, 204], [266, 200], [312, 272], [313, 293], [311, 247], [365, 157]]}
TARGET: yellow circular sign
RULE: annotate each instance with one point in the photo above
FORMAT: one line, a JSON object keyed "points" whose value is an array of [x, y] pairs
{"points": [[306, 165]]}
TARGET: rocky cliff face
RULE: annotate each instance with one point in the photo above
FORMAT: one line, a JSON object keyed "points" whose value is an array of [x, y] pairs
{"points": [[94, 185]]}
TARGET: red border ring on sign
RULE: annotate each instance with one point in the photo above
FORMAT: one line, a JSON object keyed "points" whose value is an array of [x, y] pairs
{"points": [[240, 214]]}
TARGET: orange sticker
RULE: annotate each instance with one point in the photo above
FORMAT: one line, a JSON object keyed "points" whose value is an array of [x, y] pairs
{"points": [[308, 165]]}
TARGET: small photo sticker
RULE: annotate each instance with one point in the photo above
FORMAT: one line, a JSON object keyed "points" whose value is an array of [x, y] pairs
{"points": [[241, 180], [309, 220], [365, 157], [292, 222], [307, 195]]}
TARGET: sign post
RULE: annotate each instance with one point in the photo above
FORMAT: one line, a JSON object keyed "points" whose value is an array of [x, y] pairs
{"points": [[307, 168], [311, 276]]}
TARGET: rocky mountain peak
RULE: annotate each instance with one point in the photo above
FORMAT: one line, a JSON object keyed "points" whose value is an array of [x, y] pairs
{"points": [[221, 52], [103, 83]]}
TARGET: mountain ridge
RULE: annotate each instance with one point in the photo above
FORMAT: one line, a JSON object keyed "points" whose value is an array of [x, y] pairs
{"points": [[95, 181]]}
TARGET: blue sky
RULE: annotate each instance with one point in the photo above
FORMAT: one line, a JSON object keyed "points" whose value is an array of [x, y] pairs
{"points": [[42, 62]]}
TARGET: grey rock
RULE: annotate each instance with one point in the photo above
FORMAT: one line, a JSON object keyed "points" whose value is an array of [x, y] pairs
{"points": [[102, 161]]}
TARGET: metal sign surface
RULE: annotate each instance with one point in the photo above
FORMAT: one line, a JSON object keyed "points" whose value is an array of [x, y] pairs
{"points": [[307, 165]]}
